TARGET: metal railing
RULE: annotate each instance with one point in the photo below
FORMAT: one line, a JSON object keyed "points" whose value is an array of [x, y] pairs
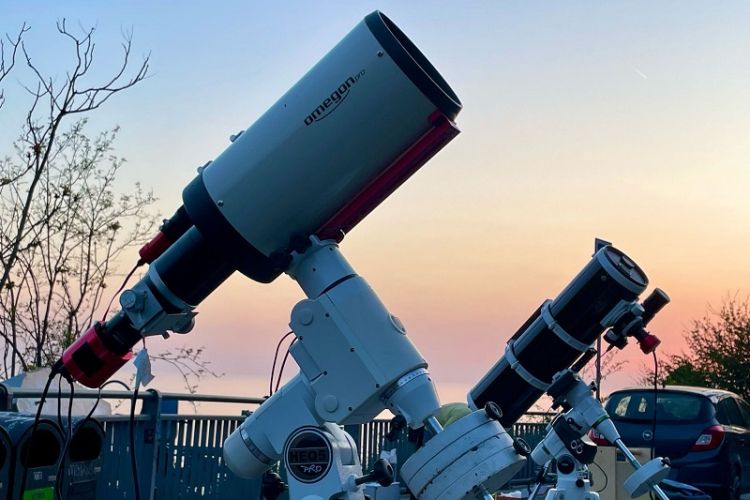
{"points": [[179, 456]]}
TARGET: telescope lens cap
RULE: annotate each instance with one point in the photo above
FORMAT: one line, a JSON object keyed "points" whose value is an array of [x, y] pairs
{"points": [[626, 266]]}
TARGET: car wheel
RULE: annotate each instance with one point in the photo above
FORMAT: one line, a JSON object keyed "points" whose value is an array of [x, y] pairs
{"points": [[732, 488], [735, 486]]}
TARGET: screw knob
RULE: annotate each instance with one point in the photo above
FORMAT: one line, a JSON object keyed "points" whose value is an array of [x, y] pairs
{"points": [[493, 411]]}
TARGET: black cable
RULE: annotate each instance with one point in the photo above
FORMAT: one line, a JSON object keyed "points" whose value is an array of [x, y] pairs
{"points": [[134, 465], [59, 402], [606, 478], [25, 456], [653, 420], [656, 392], [68, 439], [133, 461], [82, 423], [275, 358], [70, 407], [539, 480], [283, 364], [122, 287]]}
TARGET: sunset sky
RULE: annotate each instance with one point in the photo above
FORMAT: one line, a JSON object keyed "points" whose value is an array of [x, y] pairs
{"points": [[627, 121]]}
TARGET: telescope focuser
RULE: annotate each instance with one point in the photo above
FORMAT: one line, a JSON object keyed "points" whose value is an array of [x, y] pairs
{"points": [[633, 323]]}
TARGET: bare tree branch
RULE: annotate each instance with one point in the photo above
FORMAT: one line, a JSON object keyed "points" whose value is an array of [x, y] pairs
{"points": [[190, 364], [57, 207], [72, 97], [7, 65], [63, 225]]}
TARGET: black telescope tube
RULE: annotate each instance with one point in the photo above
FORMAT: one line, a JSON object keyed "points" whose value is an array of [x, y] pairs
{"points": [[192, 267], [607, 280]]}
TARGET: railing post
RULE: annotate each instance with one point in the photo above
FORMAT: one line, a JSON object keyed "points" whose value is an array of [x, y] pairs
{"points": [[355, 431], [6, 398], [149, 441]]}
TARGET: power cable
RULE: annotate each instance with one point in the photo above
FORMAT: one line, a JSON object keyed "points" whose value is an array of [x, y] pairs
{"points": [[283, 364], [122, 287], [82, 423], [68, 438], [275, 358], [133, 458], [25, 454], [653, 419], [59, 403], [133, 461], [606, 478], [656, 393]]}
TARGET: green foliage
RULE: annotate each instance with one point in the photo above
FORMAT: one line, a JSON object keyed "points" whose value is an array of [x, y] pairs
{"points": [[680, 370], [719, 351]]}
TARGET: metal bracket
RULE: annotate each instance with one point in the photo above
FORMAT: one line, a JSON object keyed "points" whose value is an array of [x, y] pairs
{"points": [[525, 374], [619, 310], [558, 330], [577, 445]]}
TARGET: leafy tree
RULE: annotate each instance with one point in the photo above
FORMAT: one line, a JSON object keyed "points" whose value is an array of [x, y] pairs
{"points": [[719, 351]]}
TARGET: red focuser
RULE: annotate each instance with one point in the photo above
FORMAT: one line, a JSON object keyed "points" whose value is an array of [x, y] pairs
{"points": [[90, 362], [154, 248], [649, 343]]}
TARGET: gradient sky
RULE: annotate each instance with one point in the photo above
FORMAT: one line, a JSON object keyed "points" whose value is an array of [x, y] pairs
{"points": [[623, 120]]}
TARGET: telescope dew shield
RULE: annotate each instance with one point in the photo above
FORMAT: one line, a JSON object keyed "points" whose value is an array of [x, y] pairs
{"points": [[340, 141], [558, 333]]}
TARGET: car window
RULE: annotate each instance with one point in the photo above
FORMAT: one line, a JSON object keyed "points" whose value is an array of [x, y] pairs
{"points": [[728, 413], [745, 410], [721, 413], [673, 407], [622, 406]]}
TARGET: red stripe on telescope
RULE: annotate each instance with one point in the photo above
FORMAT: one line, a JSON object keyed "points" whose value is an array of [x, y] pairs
{"points": [[442, 132]]}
